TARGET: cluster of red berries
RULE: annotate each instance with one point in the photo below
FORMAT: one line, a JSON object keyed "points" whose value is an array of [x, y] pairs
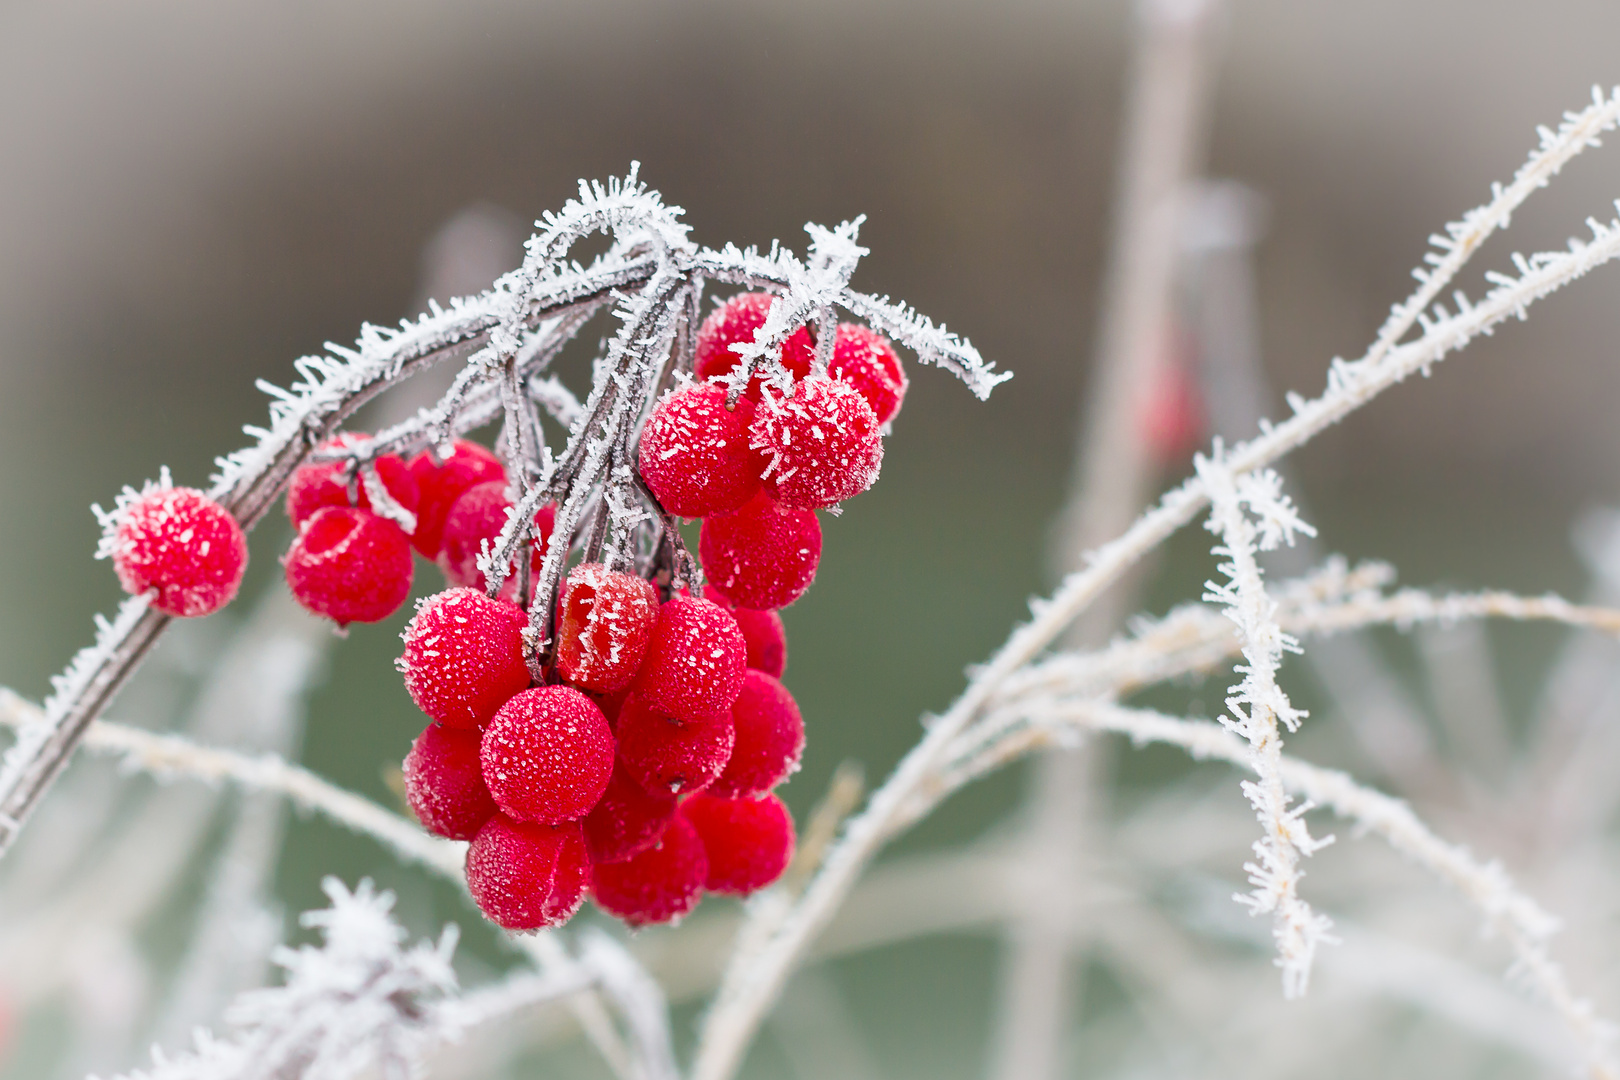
{"points": [[352, 564], [643, 775], [640, 766]]}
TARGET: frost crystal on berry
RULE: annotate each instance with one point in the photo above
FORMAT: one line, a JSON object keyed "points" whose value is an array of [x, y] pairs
{"points": [[349, 565], [527, 875], [442, 483], [735, 321], [475, 520], [769, 738], [605, 623], [749, 841], [464, 656], [658, 885], [762, 556], [695, 661], [823, 443], [864, 359], [178, 543], [628, 819], [696, 454], [665, 754], [548, 754], [444, 783]]}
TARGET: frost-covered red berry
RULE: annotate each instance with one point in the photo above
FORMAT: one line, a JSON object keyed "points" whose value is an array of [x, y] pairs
{"points": [[442, 483], [525, 875], [325, 483], [183, 546], [762, 630], [547, 755], [658, 885], [769, 738], [664, 754], [627, 820], [749, 841], [695, 453], [735, 321], [479, 516], [866, 360], [695, 661], [444, 783], [603, 626], [349, 565], [762, 556], [464, 656], [823, 443]]}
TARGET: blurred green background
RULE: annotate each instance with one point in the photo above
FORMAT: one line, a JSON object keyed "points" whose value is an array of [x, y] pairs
{"points": [[191, 195]]}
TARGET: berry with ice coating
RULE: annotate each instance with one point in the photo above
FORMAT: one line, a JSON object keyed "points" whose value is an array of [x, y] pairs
{"points": [[349, 565], [823, 443], [762, 630], [735, 321], [183, 546], [325, 483], [866, 360], [695, 453], [762, 556], [749, 841], [526, 875], [464, 656], [478, 516], [663, 754], [695, 660], [444, 783], [658, 885], [603, 626], [769, 738], [442, 483], [628, 820], [547, 755]]}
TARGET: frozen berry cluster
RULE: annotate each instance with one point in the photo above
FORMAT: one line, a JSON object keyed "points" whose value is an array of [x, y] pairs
{"points": [[640, 770]]}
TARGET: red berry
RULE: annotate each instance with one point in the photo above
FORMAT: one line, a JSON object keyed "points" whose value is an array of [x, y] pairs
{"points": [[823, 443], [349, 565], [182, 544], [664, 754], [864, 359], [464, 656], [628, 820], [480, 515], [604, 624], [442, 484], [749, 841], [762, 630], [444, 783], [762, 556], [770, 738], [735, 321], [324, 483], [695, 453], [526, 875], [548, 755], [695, 661], [658, 885]]}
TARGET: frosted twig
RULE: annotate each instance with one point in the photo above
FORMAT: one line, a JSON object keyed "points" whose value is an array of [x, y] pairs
{"points": [[1259, 707]]}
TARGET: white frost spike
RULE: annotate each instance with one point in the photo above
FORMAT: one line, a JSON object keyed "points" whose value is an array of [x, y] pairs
{"points": [[1258, 705], [356, 1005]]}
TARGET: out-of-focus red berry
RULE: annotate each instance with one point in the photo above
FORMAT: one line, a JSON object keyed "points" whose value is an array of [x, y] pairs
{"points": [[547, 755], [695, 453], [823, 443], [665, 754], [525, 875], [349, 565], [325, 483], [628, 819], [769, 738], [866, 360], [184, 546], [603, 627], [749, 841], [441, 484], [735, 321], [444, 783], [479, 516], [763, 555], [695, 661], [464, 656], [658, 885]]}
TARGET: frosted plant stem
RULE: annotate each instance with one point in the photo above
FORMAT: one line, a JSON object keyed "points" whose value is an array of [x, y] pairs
{"points": [[742, 1000], [1259, 709]]}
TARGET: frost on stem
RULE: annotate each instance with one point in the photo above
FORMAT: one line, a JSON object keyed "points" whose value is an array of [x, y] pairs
{"points": [[1251, 514]]}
